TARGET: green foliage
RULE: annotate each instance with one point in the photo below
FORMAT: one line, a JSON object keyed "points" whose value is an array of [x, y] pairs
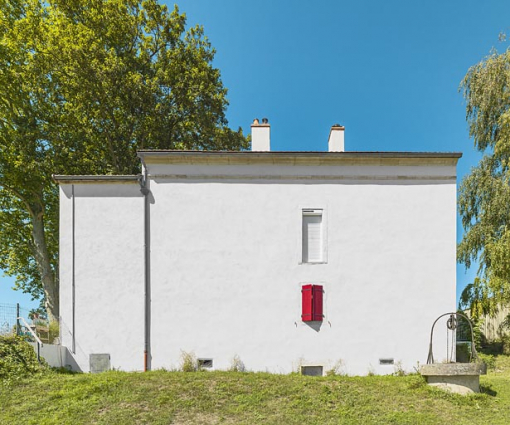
{"points": [[488, 359], [478, 336], [83, 85], [484, 195], [506, 344], [500, 345], [417, 381], [54, 331], [161, 397], [17, 360], [462, 353]]}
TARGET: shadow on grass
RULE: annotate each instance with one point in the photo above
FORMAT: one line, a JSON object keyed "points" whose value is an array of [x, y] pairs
{"points": [[64, 371], [487, 389]]}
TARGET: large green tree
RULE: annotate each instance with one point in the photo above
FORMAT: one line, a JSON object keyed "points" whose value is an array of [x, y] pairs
{"points": [[484, 197], [83, 85]]}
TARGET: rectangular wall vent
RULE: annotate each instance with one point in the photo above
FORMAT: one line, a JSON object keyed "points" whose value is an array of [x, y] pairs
{"points": [[312, 370], [387, 361], [205, 363]]}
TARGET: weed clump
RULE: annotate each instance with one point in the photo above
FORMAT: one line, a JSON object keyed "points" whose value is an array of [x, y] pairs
{"points": [[399, 369], [189, 362], [337, 369], [237, 365]]}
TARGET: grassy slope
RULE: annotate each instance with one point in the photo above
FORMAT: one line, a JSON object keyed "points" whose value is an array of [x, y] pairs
{"points": [[228, 397]]}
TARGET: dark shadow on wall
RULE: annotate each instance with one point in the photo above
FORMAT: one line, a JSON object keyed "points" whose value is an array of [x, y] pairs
{"points": [[70, 362], [316, 325]]}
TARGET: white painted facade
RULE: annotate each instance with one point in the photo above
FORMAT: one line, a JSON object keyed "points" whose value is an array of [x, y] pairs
{"points": [[226, 260]]}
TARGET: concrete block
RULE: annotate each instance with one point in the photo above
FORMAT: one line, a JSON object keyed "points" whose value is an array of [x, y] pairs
{"points": [[459, 378]]}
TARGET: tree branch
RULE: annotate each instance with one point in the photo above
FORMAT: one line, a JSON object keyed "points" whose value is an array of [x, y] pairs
{"points": [[20, 197]]}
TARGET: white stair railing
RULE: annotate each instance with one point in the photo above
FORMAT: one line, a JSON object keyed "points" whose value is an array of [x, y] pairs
{"points": [[30, 330], [39, 342]]}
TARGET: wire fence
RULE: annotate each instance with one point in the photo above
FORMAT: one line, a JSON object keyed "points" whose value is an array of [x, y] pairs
{"points": [[8, 317]]}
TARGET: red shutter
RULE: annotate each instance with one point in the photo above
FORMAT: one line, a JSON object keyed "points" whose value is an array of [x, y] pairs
{"points": [[306, 295], [311, 296], [317, 303]]}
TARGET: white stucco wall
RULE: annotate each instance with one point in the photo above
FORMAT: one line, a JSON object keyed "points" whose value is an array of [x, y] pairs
{"points": [[226, 270], [109, 274]]}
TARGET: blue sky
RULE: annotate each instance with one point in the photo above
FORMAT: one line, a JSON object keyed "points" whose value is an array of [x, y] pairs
{"points": [[389, 71]]}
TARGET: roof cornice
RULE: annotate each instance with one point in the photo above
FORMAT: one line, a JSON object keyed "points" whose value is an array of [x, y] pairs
{"points": [[299, 158]]}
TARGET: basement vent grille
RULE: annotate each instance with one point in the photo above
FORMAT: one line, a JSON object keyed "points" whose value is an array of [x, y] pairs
{"points": [[205, 363], [312, 370], [386, 361]]}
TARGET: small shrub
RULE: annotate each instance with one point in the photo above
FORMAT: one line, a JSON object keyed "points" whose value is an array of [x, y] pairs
{"points": [[237, 365], [54, 333], [478, 335], [488, 359], [189, 362], [18, 359]]}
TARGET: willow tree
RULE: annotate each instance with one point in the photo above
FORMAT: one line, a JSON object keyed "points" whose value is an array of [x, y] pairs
{"points": [[484, 198], [83, 85]]}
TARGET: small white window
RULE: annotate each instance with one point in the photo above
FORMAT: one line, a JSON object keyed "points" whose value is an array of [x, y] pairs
{"points": [[312, 236]]}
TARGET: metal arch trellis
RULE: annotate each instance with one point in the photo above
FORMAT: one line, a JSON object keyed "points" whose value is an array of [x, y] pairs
{"points": [[452, 325]]}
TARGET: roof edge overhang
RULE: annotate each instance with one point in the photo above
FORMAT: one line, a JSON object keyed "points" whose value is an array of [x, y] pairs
{"points": [[127, 179], [298, 158], [270, 158]]}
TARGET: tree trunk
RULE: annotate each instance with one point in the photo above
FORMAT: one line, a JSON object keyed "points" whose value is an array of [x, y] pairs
{"points": [[42, 258]]}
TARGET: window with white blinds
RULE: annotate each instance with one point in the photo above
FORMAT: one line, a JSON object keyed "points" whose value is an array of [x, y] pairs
{"points": [[312, 236]]}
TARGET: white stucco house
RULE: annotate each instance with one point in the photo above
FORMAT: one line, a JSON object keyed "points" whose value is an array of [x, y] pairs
{"points": [[283, 259]]}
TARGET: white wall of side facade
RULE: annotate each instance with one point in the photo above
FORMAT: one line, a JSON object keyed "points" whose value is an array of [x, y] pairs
{"points": [[226, 264], [227, 273], [108, 245]]}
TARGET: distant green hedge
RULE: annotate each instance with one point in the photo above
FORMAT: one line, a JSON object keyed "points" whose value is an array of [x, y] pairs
{"points": [[18, 359]]}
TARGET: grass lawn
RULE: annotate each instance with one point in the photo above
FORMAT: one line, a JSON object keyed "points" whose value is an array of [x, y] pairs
{"points": [[252, 398]]}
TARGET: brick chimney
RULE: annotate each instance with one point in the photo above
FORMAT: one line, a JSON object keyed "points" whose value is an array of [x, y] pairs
{"points": [[260, 135], [336, 139]]}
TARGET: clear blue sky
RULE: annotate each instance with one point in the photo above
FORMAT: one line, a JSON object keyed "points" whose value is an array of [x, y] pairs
{"points": [[389, 71]]}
